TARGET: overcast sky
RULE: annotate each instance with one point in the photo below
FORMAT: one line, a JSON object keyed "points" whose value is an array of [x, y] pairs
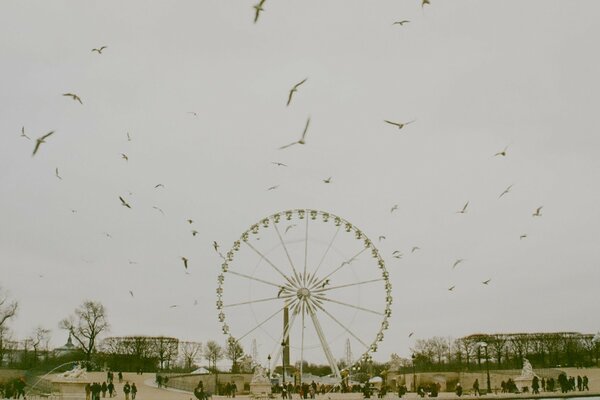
{"points": [[476, 76]]}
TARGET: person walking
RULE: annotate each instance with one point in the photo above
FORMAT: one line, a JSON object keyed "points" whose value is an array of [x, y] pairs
{"points": [[133, 391], [535, 385], [476, 388], [126, 390], [104, 388], [459, 389], [88, 391], [111, 389], [120, 375]]}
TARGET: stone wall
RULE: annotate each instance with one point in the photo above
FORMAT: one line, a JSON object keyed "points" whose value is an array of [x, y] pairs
{"points": [[189, 382]]}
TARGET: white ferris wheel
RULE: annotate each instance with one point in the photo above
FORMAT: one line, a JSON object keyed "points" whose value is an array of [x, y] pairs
{"points": [[305, 282]]}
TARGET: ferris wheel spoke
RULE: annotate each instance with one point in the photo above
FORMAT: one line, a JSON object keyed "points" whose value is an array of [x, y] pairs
{"points": [[287, 253], [323, 289], [305, 252], [349, 305], [261, 324], [344, 327], [264, 257], [253, 278], [342, 265], [327, 250], [324, 344], [258, 301]]}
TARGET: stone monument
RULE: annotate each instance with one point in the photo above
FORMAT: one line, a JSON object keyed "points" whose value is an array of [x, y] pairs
{"points": [[524, 380], [260, 384], [71, 383]]}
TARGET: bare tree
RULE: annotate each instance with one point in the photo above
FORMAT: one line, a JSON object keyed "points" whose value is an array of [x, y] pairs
{"points": [[39, 340], [6, 342], [88, 321], [166, 349], [190, 351], [8, 309], [213, 352]]}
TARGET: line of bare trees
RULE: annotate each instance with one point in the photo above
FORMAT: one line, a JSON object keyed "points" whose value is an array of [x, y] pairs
{"points": [[506, 351]]}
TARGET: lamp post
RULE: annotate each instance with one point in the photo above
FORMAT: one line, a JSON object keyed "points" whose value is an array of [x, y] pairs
{"points": [[487, 364], [269, 364], [414, 382]]}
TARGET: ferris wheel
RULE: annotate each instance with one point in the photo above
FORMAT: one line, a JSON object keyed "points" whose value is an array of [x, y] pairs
{"points": [[304, 282]]}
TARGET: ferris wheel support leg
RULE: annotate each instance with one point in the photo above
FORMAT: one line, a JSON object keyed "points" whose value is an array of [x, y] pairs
{"points": [[283, 337], [324, 344]]}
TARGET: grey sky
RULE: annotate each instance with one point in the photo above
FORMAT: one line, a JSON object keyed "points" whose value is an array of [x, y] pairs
{"points": [[477, 76]]}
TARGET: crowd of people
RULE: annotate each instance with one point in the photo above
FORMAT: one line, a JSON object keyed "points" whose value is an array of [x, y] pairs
{"points": [[95, 390]]}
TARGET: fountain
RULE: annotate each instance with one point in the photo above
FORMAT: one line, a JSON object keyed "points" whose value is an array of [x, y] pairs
{"points": [[260, 384], [524, 380]]}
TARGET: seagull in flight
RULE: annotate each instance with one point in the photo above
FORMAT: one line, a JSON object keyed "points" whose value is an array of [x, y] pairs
{"points": [[464, 209], [159, 185], [174, 305], [159, 209], [451, 288], [501, 153], [279, 164], [73, 96], [194, 232], [410, 334], [400, 125], [537, 212], [294, 90], [131, 293], [288, 228], [401, 23], [190, 221], [328, 180], [302, 139], [23, 133], [258, 7], [57, 175], [128, 137], [185, 262], [273, 187], [457, 262], [507, 190], [381, 238], [99, 51], [423, 2], [124, 157], [415, 249], [124, 203], [397, 254], [325, 283], [523, 236], [394, 208], [486, 281], [281, 289], [216, 246], [39, 141]]}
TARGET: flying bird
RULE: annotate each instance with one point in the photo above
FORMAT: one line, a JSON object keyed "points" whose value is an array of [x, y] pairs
{"points": [[394, 208], [537, 212], [294, 90], [325, 283], [258, 7], [124, 203], [451, 288], [99, 51], [281, 289], [128, 137], [131, 293], [523, 236], [415, 249], [457, 262], [279, 164], [159, 209], [328, 180], [410, 334], [159, 185], [194, 232], [23, 133], [501, 153], [39, 141], [397, 254], [185, 262], [400, 125], [190, 221], [287, 228], [302, 139], [381, 238], [174, 305], [507, 190], [486, 281], [57, 175], [124, 157], [401, 23], [73, 96], [464, 209], [195, 114], [108, 235], [216, 246], [423, 2], [273, 187]]}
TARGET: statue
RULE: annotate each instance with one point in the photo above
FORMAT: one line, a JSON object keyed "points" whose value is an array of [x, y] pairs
{"points": [[527, 371], [260, 376], [78, 372]]}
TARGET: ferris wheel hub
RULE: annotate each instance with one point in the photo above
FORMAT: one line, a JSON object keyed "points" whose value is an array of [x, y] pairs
{"points": [[303, 293]]}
